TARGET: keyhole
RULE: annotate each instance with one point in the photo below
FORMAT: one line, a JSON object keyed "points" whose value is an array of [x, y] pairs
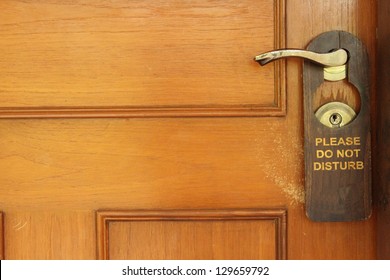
{"points": [[335, 119]]}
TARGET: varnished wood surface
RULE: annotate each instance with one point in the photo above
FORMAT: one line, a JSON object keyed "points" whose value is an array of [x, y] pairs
{"points": [[357, 17], [141, 163], [194, 234], [339, 91], [57, 173], [120, 58], [1, 237], [53, 235], [382, 189]]}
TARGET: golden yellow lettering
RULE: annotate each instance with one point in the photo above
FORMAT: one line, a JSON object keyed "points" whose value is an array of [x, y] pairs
{"points": [[319, 153], [356, 141], [341, 142], [337, 141], [357, 152], [351, 165], [317, 166], [340, 153], [348, 153], [343, 166], [338, 165], [349, 141], [318, 141], [328, 153]]}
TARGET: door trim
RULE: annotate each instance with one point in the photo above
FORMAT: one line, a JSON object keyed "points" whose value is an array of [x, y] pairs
{"points": [[382, 161]]}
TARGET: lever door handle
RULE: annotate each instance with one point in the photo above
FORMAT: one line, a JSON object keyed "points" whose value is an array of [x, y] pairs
{"points": [[334, 58]]}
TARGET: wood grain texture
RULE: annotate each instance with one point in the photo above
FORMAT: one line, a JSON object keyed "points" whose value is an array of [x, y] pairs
{"points": [[44, 235], [339, 91], [1, 237], [382, 151], [142, 163], [330, 240], [196, 234], [359, 18], [132, 59]]}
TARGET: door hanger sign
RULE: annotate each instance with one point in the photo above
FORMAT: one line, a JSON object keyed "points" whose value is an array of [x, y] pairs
{"points": [[337, 145]]}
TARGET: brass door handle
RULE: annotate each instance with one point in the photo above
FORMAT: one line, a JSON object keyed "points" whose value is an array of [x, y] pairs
{"points": [[335, 58]]}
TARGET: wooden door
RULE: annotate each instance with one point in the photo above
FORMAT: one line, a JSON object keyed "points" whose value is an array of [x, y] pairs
{"points": [[382, 186], [145, 130]]}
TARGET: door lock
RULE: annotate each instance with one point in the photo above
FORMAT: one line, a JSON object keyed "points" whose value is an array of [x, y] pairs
{"points": [[337, 139], [335, 114]]}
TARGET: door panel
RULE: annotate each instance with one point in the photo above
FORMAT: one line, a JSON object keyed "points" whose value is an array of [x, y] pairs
{"points": [[59, 173], [48, 234], [212, 234], [173, 57]]}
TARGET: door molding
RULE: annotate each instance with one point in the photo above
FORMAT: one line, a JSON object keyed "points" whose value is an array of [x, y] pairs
{"points": [[105, 217]]}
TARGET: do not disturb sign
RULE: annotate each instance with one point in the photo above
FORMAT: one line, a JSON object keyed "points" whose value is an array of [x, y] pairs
{"points": [[338, 155], [341, 153]]}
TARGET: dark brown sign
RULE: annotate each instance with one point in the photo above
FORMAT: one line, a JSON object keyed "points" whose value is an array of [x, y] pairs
{"points": [[338, 159]]}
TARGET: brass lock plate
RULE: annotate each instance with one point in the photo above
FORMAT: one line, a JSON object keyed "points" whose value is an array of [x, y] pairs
{"points": [[335, 114]]}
